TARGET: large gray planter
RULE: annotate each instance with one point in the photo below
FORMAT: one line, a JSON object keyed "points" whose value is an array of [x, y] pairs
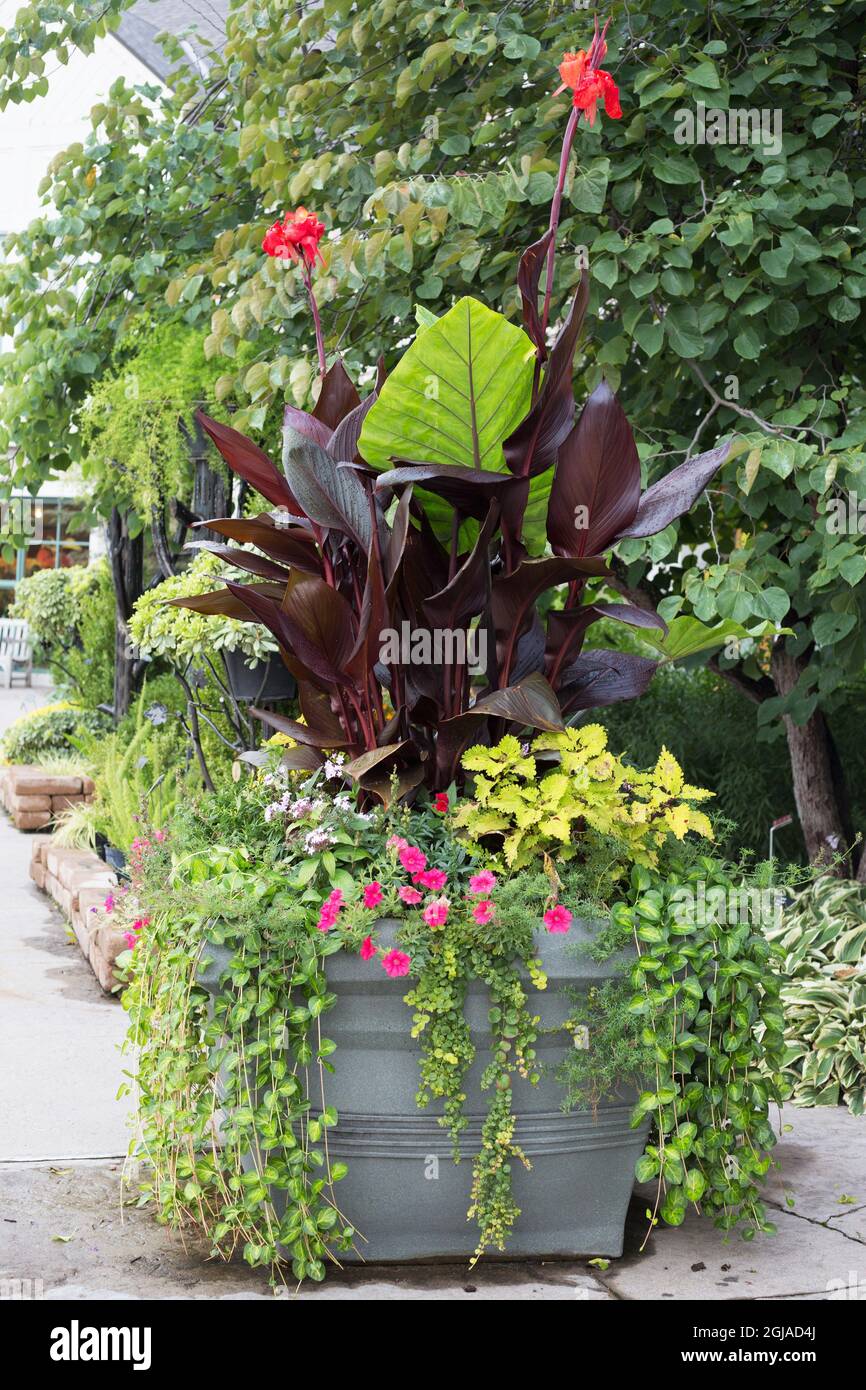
{"points": [[403, 1193]]}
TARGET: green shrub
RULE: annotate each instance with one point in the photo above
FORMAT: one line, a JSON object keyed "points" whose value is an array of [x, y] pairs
{"points": [[71, 618], [48, 731]]}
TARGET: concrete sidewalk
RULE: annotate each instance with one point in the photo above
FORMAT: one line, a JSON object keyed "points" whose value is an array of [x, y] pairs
{"points": [[60, 1068], [65, 1221]]}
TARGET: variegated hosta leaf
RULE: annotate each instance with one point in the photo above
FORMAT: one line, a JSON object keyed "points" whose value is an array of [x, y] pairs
{"points": [[823, 938]]}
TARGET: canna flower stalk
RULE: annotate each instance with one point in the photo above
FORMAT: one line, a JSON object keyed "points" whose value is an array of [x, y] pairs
{"points": [[297, 239], [589, 84]]}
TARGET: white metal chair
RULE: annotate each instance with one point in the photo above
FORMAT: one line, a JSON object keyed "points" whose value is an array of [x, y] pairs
{"points": [[16, 652]]}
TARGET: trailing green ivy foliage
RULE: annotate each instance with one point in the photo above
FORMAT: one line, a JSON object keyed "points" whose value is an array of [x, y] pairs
{"points": [[248, 1056], [700, 1007]]}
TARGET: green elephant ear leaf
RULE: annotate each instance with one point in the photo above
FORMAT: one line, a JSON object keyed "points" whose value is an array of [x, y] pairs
{"points": [[461, 388]]}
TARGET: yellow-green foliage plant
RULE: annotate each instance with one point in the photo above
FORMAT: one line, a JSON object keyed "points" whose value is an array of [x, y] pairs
{"points": [[588, 789]]}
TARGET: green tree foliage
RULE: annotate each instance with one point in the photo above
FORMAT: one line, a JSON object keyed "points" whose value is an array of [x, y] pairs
{"points": [[727, 278]]}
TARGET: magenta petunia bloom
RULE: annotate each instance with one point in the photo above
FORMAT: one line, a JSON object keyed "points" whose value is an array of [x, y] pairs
{"points": [[433, 878], [482, 883], [372, 894], [435, 914], [557, 919], [368, 948], [414, 860], [410, 896], [396, 842], [482, 911], [396, 963]]}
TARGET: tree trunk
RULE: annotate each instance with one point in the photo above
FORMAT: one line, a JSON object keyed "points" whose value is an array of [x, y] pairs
{"points": [[811, 752], [126, 556]]}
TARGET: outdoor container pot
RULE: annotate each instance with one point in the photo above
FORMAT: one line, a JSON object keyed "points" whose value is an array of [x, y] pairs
{"points": [[403, 1193], [267, 680]]}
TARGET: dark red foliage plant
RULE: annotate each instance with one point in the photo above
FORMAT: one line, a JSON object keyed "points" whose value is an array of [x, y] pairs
{"points": [[416, 535]]}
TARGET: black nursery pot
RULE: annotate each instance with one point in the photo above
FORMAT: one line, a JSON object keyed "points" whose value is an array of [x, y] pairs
{"points": [[114, 857], [269, 680]]}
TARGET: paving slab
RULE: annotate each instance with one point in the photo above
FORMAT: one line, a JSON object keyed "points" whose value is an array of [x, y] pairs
{"points": [[60, 1065], [69, 1226], [822, 1157]]}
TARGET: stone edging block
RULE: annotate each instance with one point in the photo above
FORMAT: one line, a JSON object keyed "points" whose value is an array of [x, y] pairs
{"points": [[34, 797], [79, 883]]}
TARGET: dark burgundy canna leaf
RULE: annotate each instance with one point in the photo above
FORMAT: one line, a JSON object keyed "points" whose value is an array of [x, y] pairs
{"points": [[514, 596], [307, 425], [301, 733], [343, 444], [630, 613], [532, 263], [330, 496], [249, 462], [322, 625], [468, 490], [366, 762], [337, 397], [224, 604], [316, 709], [390, 792], [532, 448], [674, 494], [397, 538], [246, 560], [596, 486], [529, 705], [289, 544], [529, 655], [302, 759], [313, 622], [601, 677], [374, 618], [566, 630], [467, 594]]}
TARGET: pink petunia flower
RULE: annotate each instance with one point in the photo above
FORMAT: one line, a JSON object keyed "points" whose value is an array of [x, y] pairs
{"points": [[330, 910], [435, 914], [109, 903], [130, 938], [410, 896], [368, 949], [396, 963], [414, 860], [482, 883], [372, 893], [396, 842], [557, 919], [482, 911], [434, 879]]}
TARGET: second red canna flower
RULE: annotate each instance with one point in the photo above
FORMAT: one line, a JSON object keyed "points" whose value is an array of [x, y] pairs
{"points": [[298, 235], [589, 83]]}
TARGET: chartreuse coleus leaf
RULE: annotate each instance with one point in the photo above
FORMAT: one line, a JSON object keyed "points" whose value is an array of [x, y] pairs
{"points": [[458, 391]]}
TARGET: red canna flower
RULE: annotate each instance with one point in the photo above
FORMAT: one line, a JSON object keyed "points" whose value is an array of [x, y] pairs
{"points": [[299, 232], [581, 72], [440, 803]]}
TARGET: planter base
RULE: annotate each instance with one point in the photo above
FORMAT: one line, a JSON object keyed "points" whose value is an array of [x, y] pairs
{"points": [[403, 1193], [410, 1199]]}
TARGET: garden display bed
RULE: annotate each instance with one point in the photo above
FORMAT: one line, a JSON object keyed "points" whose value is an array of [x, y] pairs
{"points": [[79, 882], [34, 797]]}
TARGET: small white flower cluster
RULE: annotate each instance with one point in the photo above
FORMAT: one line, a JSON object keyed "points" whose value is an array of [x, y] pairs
{"points": [[334, 764], [317, 839]]}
